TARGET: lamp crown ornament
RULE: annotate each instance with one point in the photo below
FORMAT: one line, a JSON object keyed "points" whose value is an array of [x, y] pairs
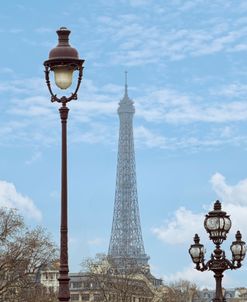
{"points": [[238, 236], [217, 205], [196, 239], [63, 49]]}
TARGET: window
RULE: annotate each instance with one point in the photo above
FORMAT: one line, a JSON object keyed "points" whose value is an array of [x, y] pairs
{"points": [[98, 297], [76, 284], [87, 284], [74, 297], [85, 297]]}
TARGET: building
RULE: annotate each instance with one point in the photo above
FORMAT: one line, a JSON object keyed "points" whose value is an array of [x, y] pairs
{"points": [[84, 287], [49, 277], [88, 287], [231, 295]]}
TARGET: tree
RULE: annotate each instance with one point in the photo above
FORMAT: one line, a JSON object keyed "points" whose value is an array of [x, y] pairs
{"points": [[37, 293], [23, 253], [111, 283], [182, 290]]}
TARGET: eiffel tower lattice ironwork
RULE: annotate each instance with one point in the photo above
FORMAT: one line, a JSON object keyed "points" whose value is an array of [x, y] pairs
{"points": [[126, 241]]}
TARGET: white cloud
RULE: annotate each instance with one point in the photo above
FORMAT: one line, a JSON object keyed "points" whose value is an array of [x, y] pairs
{"points": [[32, 115], [232, 90], [215, 138], [139, 2], [55, 195], [202, 279], [238, 216], [36, 156], [230, 194], [96, 241], [6, 70], [138, 42], [43, 30], [36, 106], [95, 133], [15, 30], [173, 107], [28, 86], [10, 198], [181, 227], [148, 138], [234, 202]]}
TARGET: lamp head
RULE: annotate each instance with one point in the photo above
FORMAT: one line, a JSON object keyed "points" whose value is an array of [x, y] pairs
{"points": [[238, 248], [217, 223], [63, 60], [197, 251]]}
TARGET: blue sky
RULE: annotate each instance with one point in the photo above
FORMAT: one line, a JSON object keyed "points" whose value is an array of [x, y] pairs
{"points": [[186, 62]]}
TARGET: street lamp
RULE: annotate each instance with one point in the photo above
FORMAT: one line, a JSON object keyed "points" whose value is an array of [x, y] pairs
{"points": [[63, 61], [217, 223]]}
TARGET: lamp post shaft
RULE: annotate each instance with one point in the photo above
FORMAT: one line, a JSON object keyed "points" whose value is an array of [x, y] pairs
{"points": [[64, 294], [218, 291], [63, 61]]}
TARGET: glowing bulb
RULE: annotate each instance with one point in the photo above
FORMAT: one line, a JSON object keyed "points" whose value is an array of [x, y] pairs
{"points": [[63, 76]]}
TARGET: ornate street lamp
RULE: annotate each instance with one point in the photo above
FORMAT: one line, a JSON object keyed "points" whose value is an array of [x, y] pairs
{"points": [[63, 61], [217, 223]]}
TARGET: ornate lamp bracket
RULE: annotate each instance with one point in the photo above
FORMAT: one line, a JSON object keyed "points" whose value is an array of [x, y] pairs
{"points": [[64, 100]]}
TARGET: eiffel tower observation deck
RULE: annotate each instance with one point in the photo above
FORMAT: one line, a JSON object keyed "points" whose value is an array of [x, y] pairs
{"points": [[126, 243]]}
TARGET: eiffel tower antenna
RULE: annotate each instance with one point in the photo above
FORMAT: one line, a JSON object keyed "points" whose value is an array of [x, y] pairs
{"points": [[126, 83]]}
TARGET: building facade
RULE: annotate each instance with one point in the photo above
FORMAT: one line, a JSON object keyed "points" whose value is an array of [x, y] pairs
{"points": [[230, 295], [85, 287]]}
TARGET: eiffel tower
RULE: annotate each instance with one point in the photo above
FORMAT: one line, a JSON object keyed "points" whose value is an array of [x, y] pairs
{"points": [[126, 241]]}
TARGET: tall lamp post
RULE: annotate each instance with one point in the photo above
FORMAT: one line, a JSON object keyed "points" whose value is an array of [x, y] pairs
{"points": [[63, 61], [217, 223]]}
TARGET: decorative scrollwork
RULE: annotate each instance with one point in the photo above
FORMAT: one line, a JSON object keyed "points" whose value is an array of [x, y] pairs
{"points": [[63, 99]]}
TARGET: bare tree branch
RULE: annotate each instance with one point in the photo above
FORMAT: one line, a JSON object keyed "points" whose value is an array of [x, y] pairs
{"points": [[23, 253], [113, 283]]}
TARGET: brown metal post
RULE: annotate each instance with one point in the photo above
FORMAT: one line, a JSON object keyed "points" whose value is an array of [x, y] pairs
{"points": [[64, 293], [63, 55], [218, 291]]}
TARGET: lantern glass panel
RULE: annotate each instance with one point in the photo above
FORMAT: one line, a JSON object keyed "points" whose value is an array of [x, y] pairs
{"points": [[196, 253], [243, 251], [212, 223], [236, 251], [227, 224]]}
